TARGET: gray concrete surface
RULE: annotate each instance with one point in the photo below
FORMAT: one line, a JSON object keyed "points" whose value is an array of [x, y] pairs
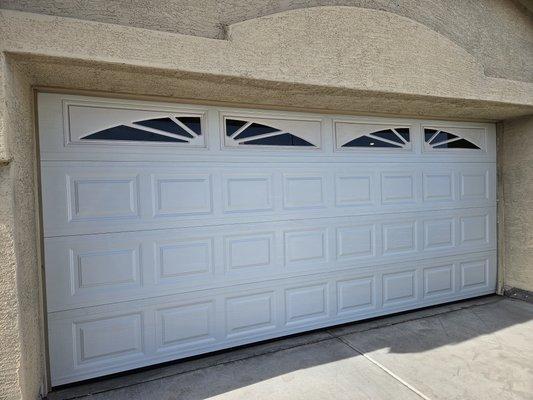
{"points": [[478, 349]]}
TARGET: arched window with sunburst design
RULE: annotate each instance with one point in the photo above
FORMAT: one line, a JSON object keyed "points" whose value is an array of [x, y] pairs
{"points": [[269, 132], [439, 139], [169, 129], [371, 137], [391, 138]]}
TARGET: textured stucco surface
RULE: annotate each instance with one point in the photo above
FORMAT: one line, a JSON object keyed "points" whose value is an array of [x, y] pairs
{"points": [[21, 346], [516, 178], [343, 47], [498, 33], [22, 145], [10, 343], [342, 59], [67, 73]]}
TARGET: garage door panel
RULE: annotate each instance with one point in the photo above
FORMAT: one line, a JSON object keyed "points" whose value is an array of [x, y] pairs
{"points": [[250, 312], [176, 260], [356, 295], [248, 192], [119, 266], [171, 230], [176, 195], [399, 288], [85, 198], [252, 252], [439, 280], [185, 326]]}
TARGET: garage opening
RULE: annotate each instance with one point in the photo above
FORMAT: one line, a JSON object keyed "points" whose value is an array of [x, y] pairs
{"points": [[173, 230]]}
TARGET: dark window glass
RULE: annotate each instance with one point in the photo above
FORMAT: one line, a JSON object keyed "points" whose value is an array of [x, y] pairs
{"points": [[387, 134], [255, 130], [193, 123], [123, 132], [442, 137], [285, 139], [457, 144], [403, 132], [428, 133], [165, 124], [233, 125], [365, 141]]}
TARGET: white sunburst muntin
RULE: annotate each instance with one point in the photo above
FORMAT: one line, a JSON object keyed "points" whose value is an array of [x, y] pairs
{"points": [[308, 131]]}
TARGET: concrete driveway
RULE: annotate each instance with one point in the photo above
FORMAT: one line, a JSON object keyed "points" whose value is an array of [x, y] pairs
{"points": [[478, 349]]}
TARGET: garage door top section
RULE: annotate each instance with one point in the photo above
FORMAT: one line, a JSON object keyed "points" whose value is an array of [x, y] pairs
{"points": [[95, 128], [222, 154]]}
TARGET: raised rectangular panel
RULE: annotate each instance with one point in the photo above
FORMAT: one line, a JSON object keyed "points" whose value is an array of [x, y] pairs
{"points": [[302, 191], [355, 241], [102, 197], [399, 287], [399, 237], [184, 258], [397, 188], [248, 193], [353, 190], [251, 251], [250, 314], [355, 295], [181, 195], [474, 274], [438, 186], [474, 229], [108, 338], [305, 246], [105, 269], [474, 186], [438, 280], [307, 303], [439, 233], [185, 325]]}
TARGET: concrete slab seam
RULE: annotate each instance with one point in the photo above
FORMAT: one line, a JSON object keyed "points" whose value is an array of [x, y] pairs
{"points": [[385, 369]]}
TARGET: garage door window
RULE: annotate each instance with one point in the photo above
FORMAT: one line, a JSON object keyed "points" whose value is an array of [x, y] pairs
{"points": [[252, 133], [395, 137], [166, 129], [441, 139]]}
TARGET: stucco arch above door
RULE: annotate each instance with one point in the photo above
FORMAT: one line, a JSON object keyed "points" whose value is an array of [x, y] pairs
{"points": [[375, 49]]}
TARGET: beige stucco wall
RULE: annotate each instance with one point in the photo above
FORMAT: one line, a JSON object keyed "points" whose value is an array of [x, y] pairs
{"points": [[342, 59], [516, 202], [498, 33], [21, 328]]}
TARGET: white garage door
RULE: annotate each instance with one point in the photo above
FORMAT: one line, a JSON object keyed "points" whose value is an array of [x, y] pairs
{"points": [[174, 230]]}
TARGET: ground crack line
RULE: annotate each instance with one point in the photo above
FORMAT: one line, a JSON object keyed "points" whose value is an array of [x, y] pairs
{"points": [[385, 369]]}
